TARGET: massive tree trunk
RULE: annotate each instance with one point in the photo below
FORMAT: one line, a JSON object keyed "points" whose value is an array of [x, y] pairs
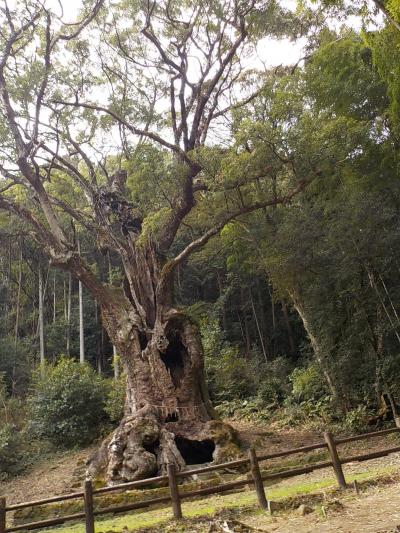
{"points": [[168, 415]]}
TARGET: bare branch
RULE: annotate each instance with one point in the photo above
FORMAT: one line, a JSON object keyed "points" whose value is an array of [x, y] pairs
{"points": [[43, 85], [42, 234], [133, 129], [204, 98], [81, 25]]}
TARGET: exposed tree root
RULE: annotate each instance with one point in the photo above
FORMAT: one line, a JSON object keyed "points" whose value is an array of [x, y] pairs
{"points": [[143, 445]]}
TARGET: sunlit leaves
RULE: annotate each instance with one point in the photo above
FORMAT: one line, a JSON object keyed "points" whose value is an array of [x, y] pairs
{"points": [[342, 78]]}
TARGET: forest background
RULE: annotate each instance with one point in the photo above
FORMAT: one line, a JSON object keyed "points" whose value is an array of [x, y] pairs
{"points": [[298, 304]]}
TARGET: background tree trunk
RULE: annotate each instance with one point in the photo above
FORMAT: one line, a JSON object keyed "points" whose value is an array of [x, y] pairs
{"points": [[17, 317], [115, 363], [69, 308], [81, 318], [54, 298], [41, 319], [315, 346]]}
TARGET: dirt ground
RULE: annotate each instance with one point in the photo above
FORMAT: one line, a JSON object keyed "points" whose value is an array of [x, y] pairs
{"points": [[65, 472]]}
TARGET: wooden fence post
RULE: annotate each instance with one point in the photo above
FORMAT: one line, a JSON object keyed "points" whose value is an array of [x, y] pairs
{"points": [[258, 482], [174, 491], [2, 515], [337, 465], [88, 497]]}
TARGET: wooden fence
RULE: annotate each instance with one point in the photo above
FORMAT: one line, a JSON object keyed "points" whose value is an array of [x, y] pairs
{"points": [[176, 495]]}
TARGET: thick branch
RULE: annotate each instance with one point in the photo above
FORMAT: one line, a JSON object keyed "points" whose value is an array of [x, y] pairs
{"points": [[41, 233], [23, 148]]}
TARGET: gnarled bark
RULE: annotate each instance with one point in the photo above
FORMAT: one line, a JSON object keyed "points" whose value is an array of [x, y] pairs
{"points": [[168, 414]]}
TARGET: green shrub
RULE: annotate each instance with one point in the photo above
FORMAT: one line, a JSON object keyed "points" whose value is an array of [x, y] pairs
{"points": [[274, 385], [356, 420], [250, 409], [3, 391], [271, 392], [229, 376], [67, 404], [14, 364], [11, 451], [308, 383]]}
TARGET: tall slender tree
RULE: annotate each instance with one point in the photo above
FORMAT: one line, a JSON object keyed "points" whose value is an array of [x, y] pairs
{"points": [[81, 316], [41, 318]]}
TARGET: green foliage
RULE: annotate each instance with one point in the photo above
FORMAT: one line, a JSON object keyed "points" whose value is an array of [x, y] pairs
{"points": [[229, 376], [3, 389], [249, 409], [310, 412], [307, 383], [14, 364], [152, 223], [344, 67], [274, 384], [11, 451], [393, 7], [271, 392], [385, 46], [15, 450], [66, 405], [355, 420]]}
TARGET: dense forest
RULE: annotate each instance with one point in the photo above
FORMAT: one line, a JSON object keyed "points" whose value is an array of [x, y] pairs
{"points": [[187, 233]]}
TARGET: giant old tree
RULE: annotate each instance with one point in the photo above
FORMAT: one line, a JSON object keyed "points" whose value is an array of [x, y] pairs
{"points": [[129, 106]]}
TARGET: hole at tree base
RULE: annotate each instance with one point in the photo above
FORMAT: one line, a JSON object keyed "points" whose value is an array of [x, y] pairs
{"points": [[172, 417], [195, 452], [152, 448], [173, 358]]}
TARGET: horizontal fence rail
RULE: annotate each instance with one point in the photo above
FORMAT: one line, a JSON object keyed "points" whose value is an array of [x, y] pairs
{"points": [[255, 477]]}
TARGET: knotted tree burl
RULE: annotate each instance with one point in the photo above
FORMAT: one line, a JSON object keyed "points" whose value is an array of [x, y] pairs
{"points": [[53, 128]]}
